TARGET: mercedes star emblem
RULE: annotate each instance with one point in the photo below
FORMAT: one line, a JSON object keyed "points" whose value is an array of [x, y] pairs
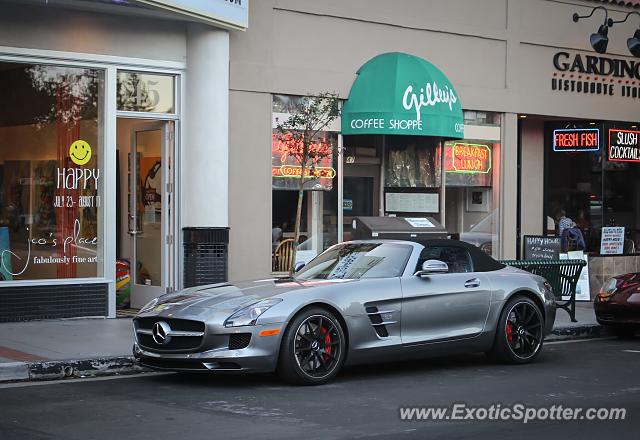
{"points": [[161, 333]]}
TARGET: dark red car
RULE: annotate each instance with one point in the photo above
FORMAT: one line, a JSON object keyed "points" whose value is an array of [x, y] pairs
{"points": [[617, 306]]}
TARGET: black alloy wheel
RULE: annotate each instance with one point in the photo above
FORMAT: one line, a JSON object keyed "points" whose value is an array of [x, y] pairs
{"points": [[312, 349], [520, 332]]}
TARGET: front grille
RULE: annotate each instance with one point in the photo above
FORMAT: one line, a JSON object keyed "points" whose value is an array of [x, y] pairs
{"points": [[176, 324], [238, 341], [605, 317], [144, 327]]}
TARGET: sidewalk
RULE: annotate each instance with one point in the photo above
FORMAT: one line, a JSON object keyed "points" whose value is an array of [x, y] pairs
{"points": [[586, 327], [41, 350]]}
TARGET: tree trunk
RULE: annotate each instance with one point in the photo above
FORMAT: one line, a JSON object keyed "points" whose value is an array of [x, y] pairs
{"points": [[298, 219]]}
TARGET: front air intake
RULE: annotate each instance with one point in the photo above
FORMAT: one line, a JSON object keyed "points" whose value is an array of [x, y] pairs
{"points": [[238, 341]]}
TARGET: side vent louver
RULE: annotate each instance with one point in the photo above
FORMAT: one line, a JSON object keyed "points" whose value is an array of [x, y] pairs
{"points": [[377, 321]]}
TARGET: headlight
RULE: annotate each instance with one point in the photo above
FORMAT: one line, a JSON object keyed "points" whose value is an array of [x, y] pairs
{"points": [[149, 306], [608, 289], [250, 314]]}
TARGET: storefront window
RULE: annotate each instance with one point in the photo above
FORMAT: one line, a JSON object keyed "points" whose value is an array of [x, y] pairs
{"points": [[411, 162], [471, 185], [51, 179], [319, 220], [592, 182], [145, 92], [412, 177]]}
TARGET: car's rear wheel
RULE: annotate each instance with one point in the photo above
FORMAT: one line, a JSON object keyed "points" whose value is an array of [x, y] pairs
{"points": [[520, 332], [313, 348]]}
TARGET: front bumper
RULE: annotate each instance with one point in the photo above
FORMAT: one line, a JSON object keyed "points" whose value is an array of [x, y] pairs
{"points": [[613, 314], [260, 356]]}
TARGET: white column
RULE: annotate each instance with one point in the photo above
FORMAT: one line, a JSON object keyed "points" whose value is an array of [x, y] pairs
{"points": [[508, 186], [108, 226], [205, 153]]}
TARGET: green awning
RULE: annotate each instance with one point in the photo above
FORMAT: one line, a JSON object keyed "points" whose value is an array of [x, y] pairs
{"points": [[398, 93]]}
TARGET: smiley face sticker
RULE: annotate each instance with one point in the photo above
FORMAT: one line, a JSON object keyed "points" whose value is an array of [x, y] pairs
{"points": [[80, 152]]}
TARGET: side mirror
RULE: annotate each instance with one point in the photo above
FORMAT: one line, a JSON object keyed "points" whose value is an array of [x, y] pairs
{"points": [[299, 265], [433, 267]]}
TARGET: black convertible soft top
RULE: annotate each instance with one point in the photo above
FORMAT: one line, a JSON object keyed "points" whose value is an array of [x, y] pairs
{"points": [[481, 261]]}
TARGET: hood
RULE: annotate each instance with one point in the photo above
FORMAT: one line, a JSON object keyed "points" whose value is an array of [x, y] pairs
{"points": [[225, 298]]}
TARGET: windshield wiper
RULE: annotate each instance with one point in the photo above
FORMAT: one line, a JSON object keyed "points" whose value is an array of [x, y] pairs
{"points": [[284, 279]]}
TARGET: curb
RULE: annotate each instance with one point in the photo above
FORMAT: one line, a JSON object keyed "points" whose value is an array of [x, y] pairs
{"points": [[586, 331], [61, 369]]}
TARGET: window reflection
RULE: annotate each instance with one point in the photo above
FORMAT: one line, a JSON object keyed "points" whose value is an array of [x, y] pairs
{"points": [[51, 183], [358, 260], [588, 191]]}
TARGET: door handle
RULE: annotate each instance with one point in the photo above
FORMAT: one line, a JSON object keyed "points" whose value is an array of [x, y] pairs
{"points": [[474, 282]]}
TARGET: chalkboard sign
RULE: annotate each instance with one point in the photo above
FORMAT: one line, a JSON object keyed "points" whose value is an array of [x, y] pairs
{"points": [[539, 247]]}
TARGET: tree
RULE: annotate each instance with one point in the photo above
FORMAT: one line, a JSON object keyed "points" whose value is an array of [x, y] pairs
{"points": [[300, 138]]}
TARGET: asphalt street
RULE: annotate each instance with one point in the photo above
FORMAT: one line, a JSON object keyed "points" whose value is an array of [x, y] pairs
{"points": [[363, 402]]}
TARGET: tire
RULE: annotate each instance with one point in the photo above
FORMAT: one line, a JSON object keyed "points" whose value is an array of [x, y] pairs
{"points": [[313, 348], [519, 332], [625, 332]]}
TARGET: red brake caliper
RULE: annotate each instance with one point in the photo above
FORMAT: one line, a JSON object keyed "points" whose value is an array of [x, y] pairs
{"points": [[327, 341], [509, 332]]}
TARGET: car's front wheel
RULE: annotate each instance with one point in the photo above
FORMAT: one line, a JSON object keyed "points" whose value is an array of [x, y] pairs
{"points": [[313, 348], [519, 333]]}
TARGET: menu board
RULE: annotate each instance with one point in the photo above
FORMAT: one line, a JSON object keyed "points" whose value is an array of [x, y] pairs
{"points": [[612, 240], [539, 247]]}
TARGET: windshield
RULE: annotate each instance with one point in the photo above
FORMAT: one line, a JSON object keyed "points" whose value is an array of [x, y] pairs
{"points": [[358, 260]]}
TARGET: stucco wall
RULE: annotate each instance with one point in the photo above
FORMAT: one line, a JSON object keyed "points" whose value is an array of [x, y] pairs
{"points": [[532, 179], [250, 183], [51, 28], [497, 53]]}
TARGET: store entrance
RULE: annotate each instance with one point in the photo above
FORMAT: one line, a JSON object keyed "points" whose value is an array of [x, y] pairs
{"points": [[361, 179], [144, 211], [361, 194]]}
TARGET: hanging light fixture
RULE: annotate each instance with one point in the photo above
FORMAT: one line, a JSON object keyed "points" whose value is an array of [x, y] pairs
{"points": [[633, 43], [600, 39]]}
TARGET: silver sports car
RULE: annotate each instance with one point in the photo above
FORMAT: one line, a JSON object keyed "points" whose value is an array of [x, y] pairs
{"points": [[357, 302]]}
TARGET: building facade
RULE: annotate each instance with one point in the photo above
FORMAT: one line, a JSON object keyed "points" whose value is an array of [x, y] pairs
{"points": [[138, 152], [113, 132], [513, 65]]}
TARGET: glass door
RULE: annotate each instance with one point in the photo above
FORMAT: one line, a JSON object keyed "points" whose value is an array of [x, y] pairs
{"points": [[150, 210]]}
